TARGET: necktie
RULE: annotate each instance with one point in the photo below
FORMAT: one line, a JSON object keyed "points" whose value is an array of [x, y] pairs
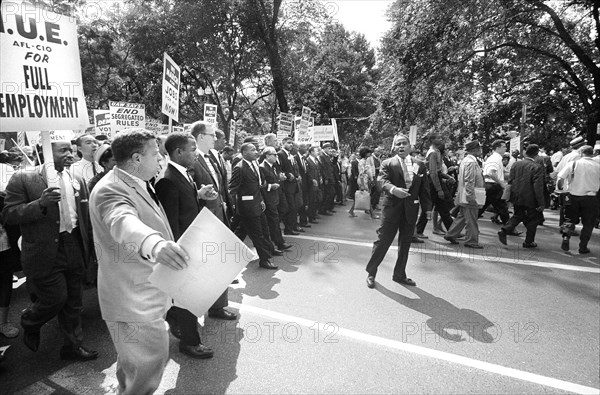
{"points": [[151, 192], [212, 170], [65, 214], [191, 178], [407, 179], [94, 170], [256, 171]]}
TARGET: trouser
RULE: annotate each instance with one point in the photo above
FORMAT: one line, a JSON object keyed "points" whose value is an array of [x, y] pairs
{"points": [[302, 200], [584, 208], [254, 227], [272, 216], [375, 195], [339, 193], [493, 196], [385, 236], [466, 218], [312, 196], [59, 292], [290, 220], [442, 206], [530, 217], [142, 354], [328, 196], [187, 322]]}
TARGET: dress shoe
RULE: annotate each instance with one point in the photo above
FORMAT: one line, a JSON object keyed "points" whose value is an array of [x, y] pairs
{"points": [[305, 225], [422, 236], [31, 339], [312, 221], [439, 232], [199, 352], [404, 281], [268, 265], [416, 240], [352, 215], [530, 245], [565, 244], [235, 281], [371, 281], [452, 240], [514, 233], [300, 230], [222, 314], [77, 353], [290, 233], [284, 246], [277, 252], [584, 250], [461, 236], [502, 236], [474, 246]]}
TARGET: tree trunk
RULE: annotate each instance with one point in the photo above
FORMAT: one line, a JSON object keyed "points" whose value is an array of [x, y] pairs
{"points": [[277, 74], [593, 119]]}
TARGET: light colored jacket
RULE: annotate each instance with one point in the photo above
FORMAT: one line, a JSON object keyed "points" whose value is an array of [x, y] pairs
{"points": [[123, 216], [470, 176]]}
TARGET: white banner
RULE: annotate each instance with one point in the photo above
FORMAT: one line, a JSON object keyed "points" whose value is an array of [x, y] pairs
{"points": [[170, 88], [284, 127], [126, 115], [102, 123], [515, 144], [336, 136], [323, 133], [40, 70], [305, 119], [210, 114]]}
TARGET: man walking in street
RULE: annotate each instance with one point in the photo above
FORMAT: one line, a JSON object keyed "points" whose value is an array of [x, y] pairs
{"points": [[493, 171]]}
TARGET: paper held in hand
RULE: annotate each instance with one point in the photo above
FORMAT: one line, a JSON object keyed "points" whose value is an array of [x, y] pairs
{"points": [[217, 256]]}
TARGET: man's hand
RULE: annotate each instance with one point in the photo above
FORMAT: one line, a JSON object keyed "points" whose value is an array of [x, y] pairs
{"points": [[400, 193], [274, 187], [315, 183], [441, 194], [282, 177], [428, 214], [50, 195], [540, 208], [263, 207], [292, 178], [170, 254], [207, 192]]}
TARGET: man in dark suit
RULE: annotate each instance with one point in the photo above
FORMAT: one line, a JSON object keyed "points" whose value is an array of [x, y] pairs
{"points": [[245, 188], [405, 184], [271, 196], [313, 182], [328, 180], [179, 196], [290, 186], [527, 195], [57, 244], [206, 173], [300, 158]]}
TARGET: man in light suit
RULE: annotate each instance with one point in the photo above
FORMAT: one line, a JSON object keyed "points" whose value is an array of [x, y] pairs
{"points": [[405, 184], [132, 235], [245, 188], [56, 246], [179, 196]]}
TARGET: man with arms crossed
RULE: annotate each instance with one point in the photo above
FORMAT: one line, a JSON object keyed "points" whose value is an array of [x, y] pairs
{"points": [[132, 235]]}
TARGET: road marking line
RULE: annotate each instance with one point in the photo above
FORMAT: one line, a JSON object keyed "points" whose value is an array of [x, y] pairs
{"points": [[427, 352], [451, 253]]}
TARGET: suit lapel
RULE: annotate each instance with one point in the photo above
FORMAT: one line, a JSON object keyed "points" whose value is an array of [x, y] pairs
{"points": [[398, 168], [124, 176]]}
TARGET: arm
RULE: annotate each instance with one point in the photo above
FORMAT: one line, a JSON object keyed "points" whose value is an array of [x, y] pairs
{"points": [[234, 183], [434, 172], [469, 177], [425, 193], [538, 186], [17, 209], [168, 194]]}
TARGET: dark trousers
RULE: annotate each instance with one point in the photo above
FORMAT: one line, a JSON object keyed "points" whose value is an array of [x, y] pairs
{"points": [[375, 195], [339, 195], [187, 323], [262, 242], [302, 201], [385, 236], [59, 292], [290, 220], [493, 196], [328, 197], [530, 217], [442, 206], [584, 208], [272, 216], [313, 201]]}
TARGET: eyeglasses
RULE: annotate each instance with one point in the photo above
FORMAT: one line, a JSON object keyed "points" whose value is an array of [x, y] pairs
{"points": [[208, 134]]}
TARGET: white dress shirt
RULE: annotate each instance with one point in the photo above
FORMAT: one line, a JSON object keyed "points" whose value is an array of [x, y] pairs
{"points": [[85, 169]]}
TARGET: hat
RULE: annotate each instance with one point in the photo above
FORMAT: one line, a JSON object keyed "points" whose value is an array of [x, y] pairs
{"points": [[100, 151], [327, 145], [577, 142], [471, 145]]}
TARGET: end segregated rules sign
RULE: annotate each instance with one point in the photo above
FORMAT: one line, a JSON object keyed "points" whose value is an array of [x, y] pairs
{"points": [[40, 70]]}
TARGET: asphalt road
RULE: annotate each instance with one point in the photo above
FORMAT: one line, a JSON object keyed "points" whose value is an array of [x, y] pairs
{"points": [[501, 320]]}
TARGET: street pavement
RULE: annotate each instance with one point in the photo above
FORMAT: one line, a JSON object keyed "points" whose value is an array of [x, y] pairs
{"points": [[501, 320]]}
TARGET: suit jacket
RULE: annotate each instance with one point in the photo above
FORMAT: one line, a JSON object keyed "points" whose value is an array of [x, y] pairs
{"points": [[326, 168], [391, 175], [527, 181], [40, 227], [289, 185], [245, 190], [179, 199], [312, 173], [203, 176], [270, 176], [123, 216], [470, 176]]}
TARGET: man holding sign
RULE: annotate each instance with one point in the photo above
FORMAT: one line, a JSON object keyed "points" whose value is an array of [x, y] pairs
{"points": [[57, 238]]}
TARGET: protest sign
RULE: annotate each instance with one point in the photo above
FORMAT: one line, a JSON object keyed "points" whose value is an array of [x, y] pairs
{"points": [[323, 133], [21, 139], [217, 256], [155, 126], [232, 131], [210, 114], [305, 136], [126, 115], [305, 119], [284, 126], [515, 143], [412, 135], [102, 123], [40, 70], [336, 136], [178, 129], [33, 138], [170, 88]]}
